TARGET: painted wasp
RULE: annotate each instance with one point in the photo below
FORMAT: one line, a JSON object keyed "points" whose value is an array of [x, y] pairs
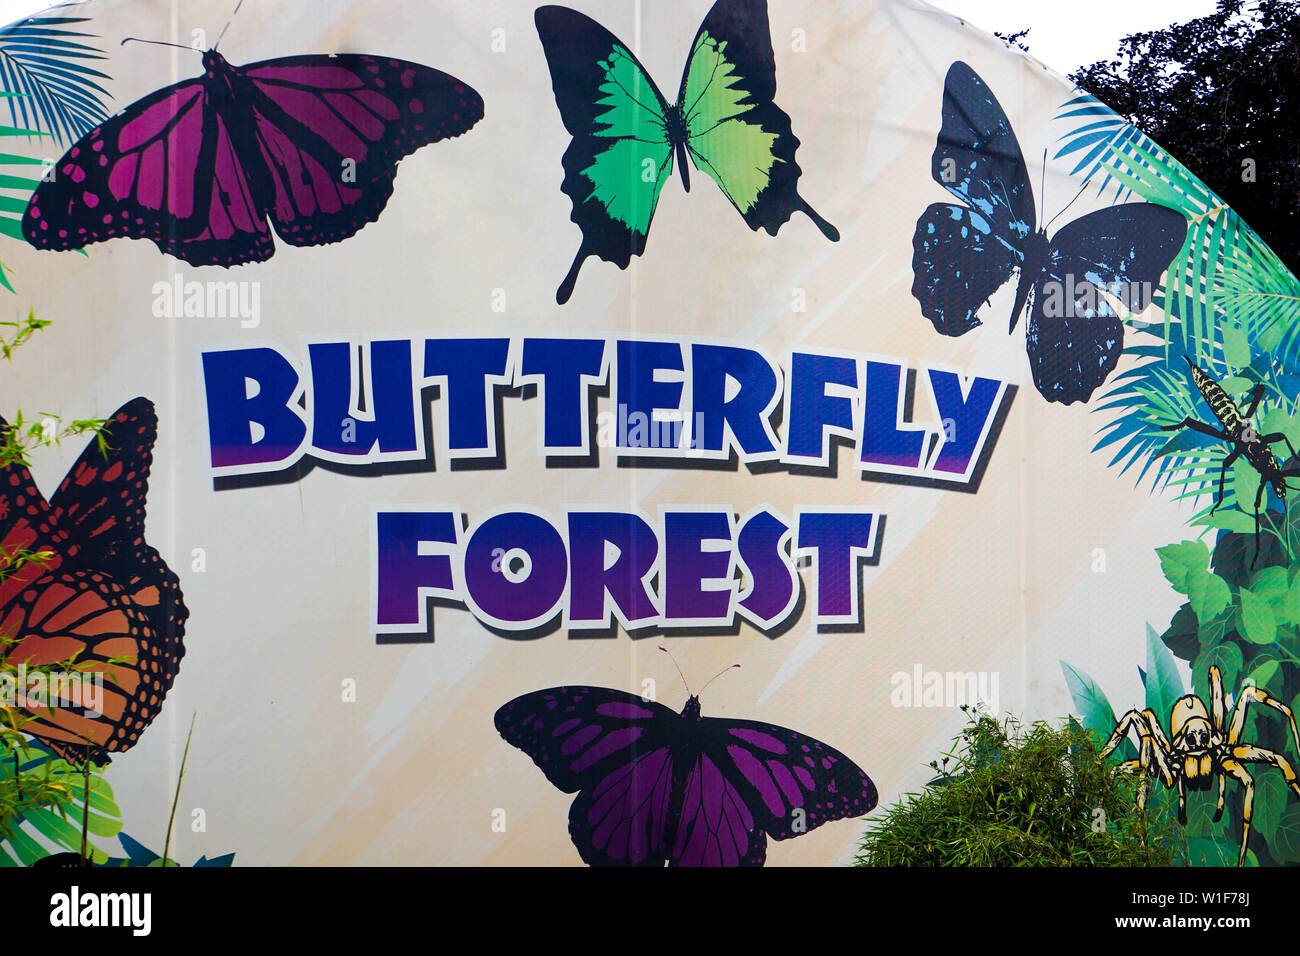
{"points": [[1238, 429]]}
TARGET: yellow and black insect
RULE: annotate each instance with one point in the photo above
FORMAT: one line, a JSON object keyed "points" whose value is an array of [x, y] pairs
{"points": [[1238, 429], [1200, 751]]}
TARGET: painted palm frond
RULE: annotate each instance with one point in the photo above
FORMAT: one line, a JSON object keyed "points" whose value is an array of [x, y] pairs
{"points": [[1229, 305], [1256, 293], [15, 188], [47, 830], [1102, 133], [47, 61]]}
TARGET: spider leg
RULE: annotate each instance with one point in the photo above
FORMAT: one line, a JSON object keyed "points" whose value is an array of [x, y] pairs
{"points": [[1131, 719], [1161, 751], [1239, 773], [1153, 752], [1216, 721], [1251, 694], [1155, 758], [1245, 753], [1216, 698]]}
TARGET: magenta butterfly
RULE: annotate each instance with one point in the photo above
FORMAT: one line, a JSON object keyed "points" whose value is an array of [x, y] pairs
{"points": [[309, 142], [659, 787]]}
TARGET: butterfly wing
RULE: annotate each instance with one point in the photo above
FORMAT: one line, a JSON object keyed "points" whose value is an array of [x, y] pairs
{"points": [[166, 169], [104, 596], [101, 507], [198, 168], [84, 614], [962, 254], [715, 826], [957, 264], [27, 528], [1124, 250], [754, 778], [331, 130], [621, 154], [614, 750], [735, 132]]}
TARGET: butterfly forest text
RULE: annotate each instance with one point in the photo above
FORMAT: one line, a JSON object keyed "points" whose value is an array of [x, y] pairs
{"points": [[519, 572], [666, 398]]}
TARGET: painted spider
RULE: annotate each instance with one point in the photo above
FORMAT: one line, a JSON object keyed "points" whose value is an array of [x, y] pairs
{"points": [[1202, 750]]}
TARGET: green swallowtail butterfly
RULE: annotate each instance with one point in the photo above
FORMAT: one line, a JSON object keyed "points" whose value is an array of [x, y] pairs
{"points": [[626, 135]]}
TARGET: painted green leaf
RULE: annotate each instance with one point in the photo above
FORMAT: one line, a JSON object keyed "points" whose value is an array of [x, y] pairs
{"points": [[1214, 630], [1094, 710], [1270, 802], [1227, 519], [1257, 622], [1263, 672], [1176, 560], [1288, 610], [1285, 843], [1236, 347], [1270, 584], [1236, 385], [1164, 685], [1277, 419], [1209, 594], [1208, 851], [1245, 482], [1181, 637]]}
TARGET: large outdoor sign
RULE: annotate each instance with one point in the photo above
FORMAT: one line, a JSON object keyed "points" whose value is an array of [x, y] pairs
{"points": [[460, 359]]}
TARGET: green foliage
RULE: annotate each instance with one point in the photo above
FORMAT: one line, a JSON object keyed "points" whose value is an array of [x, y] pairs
{"points": [[43, 805], [1245, 621], [1011, 796], [1229, 305], [19, 437]]}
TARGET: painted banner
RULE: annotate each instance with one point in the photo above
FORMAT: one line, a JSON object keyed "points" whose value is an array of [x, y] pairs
{"points": [[620, 433]]}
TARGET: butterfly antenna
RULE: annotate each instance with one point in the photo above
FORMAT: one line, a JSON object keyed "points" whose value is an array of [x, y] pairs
{"points": [[227, 26], [679, 670], [1042, 191], [716, 676], [179, 46], [1068, 205]]}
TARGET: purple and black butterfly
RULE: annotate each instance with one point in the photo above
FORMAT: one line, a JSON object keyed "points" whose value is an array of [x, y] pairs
{"points": [[310, 143], [658, 787]]}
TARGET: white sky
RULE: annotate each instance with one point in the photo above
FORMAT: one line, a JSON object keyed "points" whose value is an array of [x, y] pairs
{"points": [[1066, 34]]}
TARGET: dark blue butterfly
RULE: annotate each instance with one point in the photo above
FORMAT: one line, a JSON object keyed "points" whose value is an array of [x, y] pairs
{"points": [[963, 253], [659, 787]]}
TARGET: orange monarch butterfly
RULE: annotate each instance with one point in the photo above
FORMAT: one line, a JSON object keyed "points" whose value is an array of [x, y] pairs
{"points": [[103, 594]]}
